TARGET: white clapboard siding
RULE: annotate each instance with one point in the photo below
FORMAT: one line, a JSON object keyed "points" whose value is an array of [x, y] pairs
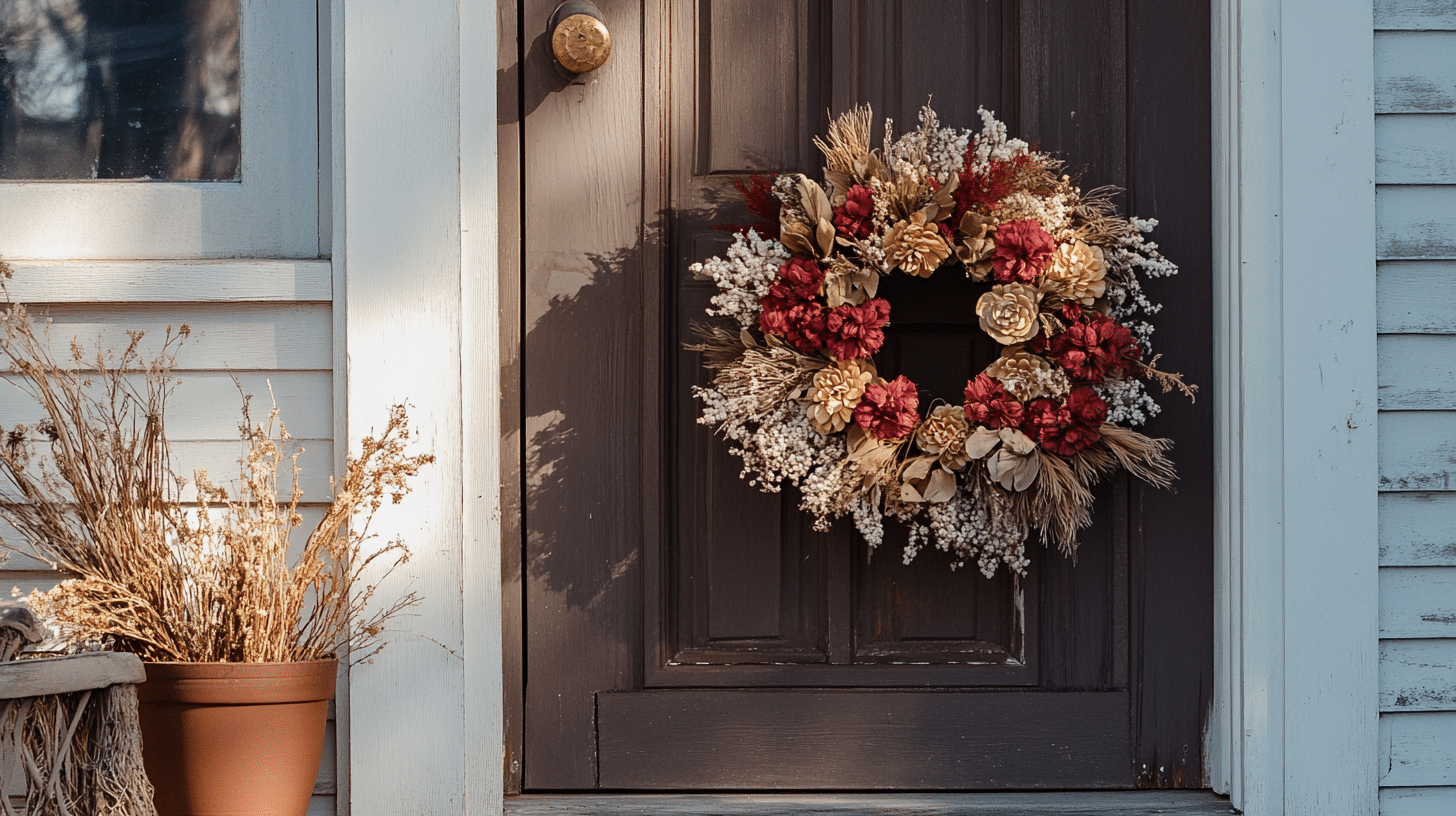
{"points": [[170, 281], [1418, 675], [1417, 372], [311, 514], [1416, 297], [1418, 748], [1415, 148], [1418, 450], [232, 336], [1417, 801], [1414, 72], [1418, 602], [1418, 529], [1415, 221], [1415, 15], [207, 405]]}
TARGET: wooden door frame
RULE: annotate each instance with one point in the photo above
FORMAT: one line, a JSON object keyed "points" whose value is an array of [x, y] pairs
{"points": [[416, 219]]}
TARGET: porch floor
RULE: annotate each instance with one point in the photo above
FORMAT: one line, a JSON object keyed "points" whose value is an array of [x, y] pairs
{"points": [[1080, 803]]}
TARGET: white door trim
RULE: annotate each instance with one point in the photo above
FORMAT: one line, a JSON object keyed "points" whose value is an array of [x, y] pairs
{"points": [[1293, 729], [1294, 723], [414, 246]]}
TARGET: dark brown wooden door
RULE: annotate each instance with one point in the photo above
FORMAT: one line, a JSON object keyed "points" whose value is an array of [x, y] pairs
{"points": [[678, 629]]}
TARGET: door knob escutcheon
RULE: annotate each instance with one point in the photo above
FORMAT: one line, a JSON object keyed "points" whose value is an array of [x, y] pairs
{"points": [[580, 41]]}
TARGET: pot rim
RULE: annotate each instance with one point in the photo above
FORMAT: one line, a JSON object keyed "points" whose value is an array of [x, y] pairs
{"points": [[182, 683]]}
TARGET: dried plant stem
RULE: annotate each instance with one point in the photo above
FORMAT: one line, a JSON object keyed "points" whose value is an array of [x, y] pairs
{"points": [[90, 489]]}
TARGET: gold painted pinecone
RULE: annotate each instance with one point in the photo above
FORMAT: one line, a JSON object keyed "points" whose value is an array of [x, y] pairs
{"points": [[943, 434], [1077, 271], [837, 389], [915, 246], [1009, 313], [1028, 376]]}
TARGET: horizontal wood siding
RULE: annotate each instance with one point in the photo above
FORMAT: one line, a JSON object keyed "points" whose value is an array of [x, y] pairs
{"points": [[1417, 801], [263, 328], [1415, 128]]}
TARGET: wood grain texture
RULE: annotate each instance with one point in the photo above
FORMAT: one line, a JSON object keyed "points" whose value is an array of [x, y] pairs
{"points": [[398, 224], [1415, 149], [481, 394], [1245, 218], [1416, 749], [1171, 598], [1083, 803], [1417, 602], [68, 673], [1418, 675], [1415, 296], [678, 739], [1418, 529], [271, 211], [1417, 372], [1329, 384], [1415, 222], [207, 405], [1417, 450], [1417, 801], [1414, 15], [225, 336], [508, 293], [1414, 72], [583, 398], [126, 281]]}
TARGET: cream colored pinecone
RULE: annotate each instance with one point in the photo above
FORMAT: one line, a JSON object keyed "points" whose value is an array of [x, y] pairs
{"points": [[915, 246], [1009, 313], [1028, 376], [1078, 272], [836, 391], [943, 434]]}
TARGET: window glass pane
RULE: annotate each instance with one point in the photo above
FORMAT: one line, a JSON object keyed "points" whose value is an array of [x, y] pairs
{"points": [[119, 89]]}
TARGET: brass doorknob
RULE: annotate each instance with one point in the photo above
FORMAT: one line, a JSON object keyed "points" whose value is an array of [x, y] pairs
{"points": [[580, 40]]}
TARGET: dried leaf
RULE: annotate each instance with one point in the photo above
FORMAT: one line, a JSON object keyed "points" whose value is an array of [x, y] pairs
{"points": [[942, 486], [839, 184], [980, 442], [919, 467]]}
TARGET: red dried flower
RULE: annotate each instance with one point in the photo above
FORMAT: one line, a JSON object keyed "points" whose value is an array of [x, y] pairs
{"points": [[801, 277], [1087, 406], [983, 191], [1023, 249], [1091, 351], [889, 410], [852, 218], [989, 403], [758, 195], [1068, 428], [853, 331], [801, 322], [791, 308]]}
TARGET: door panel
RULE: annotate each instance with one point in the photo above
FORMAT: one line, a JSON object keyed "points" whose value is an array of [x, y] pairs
{"points": [[917, 740], [682, 629]]}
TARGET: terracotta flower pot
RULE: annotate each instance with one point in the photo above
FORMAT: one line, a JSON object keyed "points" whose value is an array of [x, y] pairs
{"points": [[234, 738]]}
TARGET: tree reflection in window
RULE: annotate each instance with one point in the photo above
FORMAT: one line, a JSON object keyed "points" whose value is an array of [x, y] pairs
{"points": [[119, 89]]}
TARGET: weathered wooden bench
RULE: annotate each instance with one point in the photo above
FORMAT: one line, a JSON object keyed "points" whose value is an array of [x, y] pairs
{"points": [[68, 728]]}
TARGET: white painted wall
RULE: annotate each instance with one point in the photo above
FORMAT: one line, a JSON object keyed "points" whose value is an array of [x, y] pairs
{"points": [[1415, 151]]}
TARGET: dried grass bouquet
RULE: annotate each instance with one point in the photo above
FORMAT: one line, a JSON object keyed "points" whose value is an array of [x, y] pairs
{"points": [[90, 490]]}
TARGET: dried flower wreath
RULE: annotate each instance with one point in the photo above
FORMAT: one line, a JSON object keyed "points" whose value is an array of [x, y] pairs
{"points": [[796, 390]]}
